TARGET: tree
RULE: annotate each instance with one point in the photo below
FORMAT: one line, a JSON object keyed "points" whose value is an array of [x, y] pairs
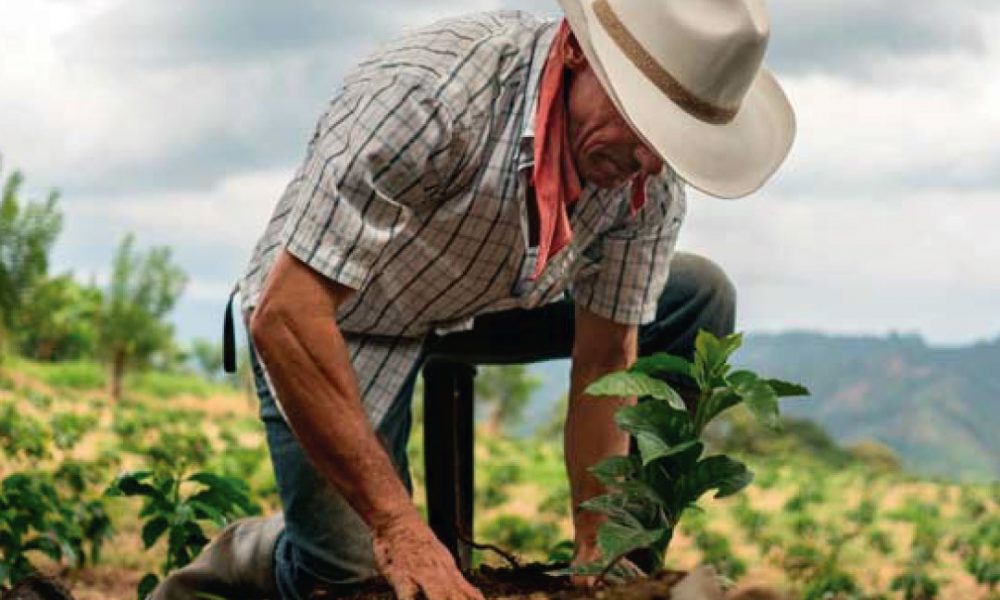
{"points": [[208, 357], [505, 391], [27, 234], [143, 289], [58, 320]]}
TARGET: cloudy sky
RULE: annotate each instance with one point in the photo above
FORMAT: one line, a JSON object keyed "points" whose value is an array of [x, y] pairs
{"points": [[182, 121]]}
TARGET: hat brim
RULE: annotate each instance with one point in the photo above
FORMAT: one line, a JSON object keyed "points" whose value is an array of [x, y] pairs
{"points": [[729, 160]]}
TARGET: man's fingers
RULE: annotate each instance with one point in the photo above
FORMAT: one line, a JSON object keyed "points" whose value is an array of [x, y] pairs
{"points": [[468, 590], [404, 587]]}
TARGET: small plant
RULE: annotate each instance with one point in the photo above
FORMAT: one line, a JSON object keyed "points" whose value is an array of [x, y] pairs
{"points": [[915, 584], [176, 506], [68, 428], [37, 518], [649, 492]]}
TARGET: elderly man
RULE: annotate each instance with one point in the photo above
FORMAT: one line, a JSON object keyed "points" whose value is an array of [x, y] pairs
{"points": [[494, 188]]}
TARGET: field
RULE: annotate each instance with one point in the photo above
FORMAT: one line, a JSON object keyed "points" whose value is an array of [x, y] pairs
{"points": [[804, 523]]}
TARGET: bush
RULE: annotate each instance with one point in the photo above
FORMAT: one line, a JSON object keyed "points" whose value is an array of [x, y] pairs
{"points": [[76, 375], [517, 534], [168, 385]]}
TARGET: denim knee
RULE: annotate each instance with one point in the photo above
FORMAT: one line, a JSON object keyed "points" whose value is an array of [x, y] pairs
{"points": [[698, 295]]}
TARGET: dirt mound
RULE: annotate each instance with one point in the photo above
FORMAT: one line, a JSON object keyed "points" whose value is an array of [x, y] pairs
{"points": [[38, 587], [531, 581]]}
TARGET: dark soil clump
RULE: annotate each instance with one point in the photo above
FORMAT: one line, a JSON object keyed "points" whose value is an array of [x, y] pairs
{"points": [[528, 581], [38, 587]]}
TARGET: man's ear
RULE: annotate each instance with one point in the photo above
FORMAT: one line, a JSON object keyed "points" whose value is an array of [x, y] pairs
{"points": [[573, 55]]}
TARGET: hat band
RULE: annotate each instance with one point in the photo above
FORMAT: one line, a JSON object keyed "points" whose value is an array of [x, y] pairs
{"points": [[644, 61]]}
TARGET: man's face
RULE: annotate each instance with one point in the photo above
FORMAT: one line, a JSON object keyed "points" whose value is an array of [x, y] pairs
{"points": [[605, 150]]}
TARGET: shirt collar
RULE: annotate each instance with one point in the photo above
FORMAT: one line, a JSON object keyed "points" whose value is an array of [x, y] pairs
{"points": [[539, 56]]}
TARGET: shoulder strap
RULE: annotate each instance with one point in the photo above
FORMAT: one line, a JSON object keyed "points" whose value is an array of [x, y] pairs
{"points": [[229, 336]]}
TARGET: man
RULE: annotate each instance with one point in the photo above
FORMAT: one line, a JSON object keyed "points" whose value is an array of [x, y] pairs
{"points": [[492, 188]]}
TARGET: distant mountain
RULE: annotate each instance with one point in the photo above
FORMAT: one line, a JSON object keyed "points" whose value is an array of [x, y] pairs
{"points": [[937, 407]]}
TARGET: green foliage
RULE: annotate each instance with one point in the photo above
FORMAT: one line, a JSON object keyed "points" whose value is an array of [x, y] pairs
{"points": [[504, 390], [165, 385], [144, 288], [27, 233], [37, 517], [715, 551], [521, 535], [68, 428], [915, 585], [21, 435], [880, 541], [648, 493], [58, 320], [73, 375], [207, 356], [832, 584], [750, 520], [177, 507]]}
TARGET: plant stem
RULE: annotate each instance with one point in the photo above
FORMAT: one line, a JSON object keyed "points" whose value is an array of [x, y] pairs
{"points": [[506, 555], [609, 566]]}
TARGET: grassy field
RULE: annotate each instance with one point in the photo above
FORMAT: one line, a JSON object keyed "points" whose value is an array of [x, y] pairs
{"points": [[800, 522]]}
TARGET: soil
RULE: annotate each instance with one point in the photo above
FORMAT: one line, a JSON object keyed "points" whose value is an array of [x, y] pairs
{"points": [[529, 581], [37, 587]]}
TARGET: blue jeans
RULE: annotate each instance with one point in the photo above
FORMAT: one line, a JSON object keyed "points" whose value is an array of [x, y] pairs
{"points": [[326, 543]]}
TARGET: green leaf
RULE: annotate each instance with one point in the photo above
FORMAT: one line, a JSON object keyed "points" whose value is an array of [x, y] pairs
{"points": [[153, 529], [133, 484], [623, 383], [660, 429], [784, 389], [228, 494], [615, 539], [45, 545], [662, 363], [720, 473], [612, 505], [758, 396], [614, 469], [207, 511], [710, 357], [652, 447], [720, 400], [146, 585]]}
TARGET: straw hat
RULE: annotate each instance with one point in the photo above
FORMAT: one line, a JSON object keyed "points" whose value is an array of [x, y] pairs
{"points": [[688, 76]]}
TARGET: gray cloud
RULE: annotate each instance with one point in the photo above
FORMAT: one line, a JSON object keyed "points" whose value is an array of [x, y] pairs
{"points": [[853, 38], [184, 32], [246, 79]]}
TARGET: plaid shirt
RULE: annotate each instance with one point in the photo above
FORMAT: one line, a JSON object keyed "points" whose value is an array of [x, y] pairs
{"points": [[413, 192]]}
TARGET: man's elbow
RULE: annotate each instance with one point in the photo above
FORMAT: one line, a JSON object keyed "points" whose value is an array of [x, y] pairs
{"points": [[266, 322]]}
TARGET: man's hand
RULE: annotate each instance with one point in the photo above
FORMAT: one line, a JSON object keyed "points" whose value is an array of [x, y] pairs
{"points": [[414, 561]]}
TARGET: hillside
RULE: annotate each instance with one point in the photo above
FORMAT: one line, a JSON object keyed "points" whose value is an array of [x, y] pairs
{"points": [[937, 407], [800, 518]]}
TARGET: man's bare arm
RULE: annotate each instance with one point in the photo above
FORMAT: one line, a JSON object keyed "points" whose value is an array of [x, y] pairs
{"points": [[295, 332], [600, 346]]}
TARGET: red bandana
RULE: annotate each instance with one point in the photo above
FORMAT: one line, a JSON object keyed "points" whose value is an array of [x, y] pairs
{"points": [[556, 182]]}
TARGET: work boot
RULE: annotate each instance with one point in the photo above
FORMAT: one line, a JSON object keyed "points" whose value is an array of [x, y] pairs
{"points": [[238, 564]]}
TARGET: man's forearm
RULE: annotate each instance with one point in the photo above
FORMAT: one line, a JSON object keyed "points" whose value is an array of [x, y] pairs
{"points": [[590, 436], [590, 433], [309, 366]]}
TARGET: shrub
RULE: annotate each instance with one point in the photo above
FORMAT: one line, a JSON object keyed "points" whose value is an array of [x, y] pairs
{"points": [[176, 505], [649, 490]]}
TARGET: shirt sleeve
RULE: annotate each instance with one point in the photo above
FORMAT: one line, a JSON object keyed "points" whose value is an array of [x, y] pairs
{"points": [[375, 157], [635, 257]]}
